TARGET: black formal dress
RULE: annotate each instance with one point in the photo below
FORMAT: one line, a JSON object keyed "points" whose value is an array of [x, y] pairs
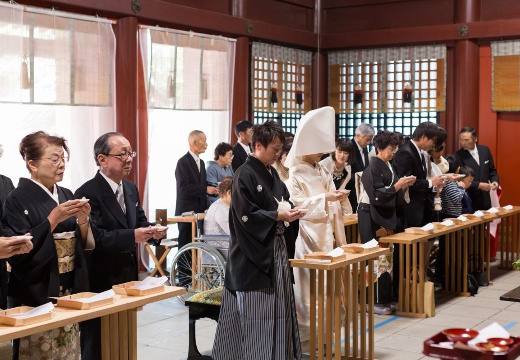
{"points": [[357, 166], [114, 260], [54, 267], [408, 162], [239, 156], [386, 209], [4, 275], [191, 192], [485, 172], [6, 186]]}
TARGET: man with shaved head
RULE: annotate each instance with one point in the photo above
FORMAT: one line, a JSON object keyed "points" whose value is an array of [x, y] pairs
{"points": [[192, 189]]}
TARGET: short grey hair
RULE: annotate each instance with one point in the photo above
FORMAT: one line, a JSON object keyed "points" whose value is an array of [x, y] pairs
{"points": [[365, 129], [102, 145]]}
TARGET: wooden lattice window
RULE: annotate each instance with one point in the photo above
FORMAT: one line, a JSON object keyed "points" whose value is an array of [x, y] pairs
{"points": [[286, 70], [422, 78], [403, 122], [287, 76], [380, 87]]}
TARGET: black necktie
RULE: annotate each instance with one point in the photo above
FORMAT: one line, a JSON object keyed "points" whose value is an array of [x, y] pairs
{"points": [[365, 156], [423, 162]]}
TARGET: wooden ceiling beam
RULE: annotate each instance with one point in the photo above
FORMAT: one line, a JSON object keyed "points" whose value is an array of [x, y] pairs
{"points": [[155, 12], [480, 31]]}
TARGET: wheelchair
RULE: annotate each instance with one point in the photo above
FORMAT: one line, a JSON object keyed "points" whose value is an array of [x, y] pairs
{"points": [[200, 265]]}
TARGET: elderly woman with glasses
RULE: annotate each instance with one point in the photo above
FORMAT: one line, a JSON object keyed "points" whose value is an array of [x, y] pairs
{"points": [[59, 226]]}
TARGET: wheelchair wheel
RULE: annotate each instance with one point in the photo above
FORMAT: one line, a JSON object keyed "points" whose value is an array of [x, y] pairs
{"points": [[197, 267]]}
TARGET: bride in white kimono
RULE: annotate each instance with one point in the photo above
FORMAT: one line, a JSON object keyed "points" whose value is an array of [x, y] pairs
{"points": [[311, 187]]}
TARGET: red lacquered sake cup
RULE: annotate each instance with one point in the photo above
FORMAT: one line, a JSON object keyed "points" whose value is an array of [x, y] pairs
{"points": [[460, 334], [501, 341], [488, 346]]}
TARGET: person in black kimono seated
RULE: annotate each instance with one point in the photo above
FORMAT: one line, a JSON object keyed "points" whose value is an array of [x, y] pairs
{"points": [[381, 211], [60, 229], [119, 225], [258, 317]]}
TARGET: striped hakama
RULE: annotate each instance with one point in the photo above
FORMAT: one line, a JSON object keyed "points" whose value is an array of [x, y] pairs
{"points": [[260, 324]]}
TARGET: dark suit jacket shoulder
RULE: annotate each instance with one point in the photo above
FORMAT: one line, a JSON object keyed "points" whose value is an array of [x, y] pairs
{"points": [[114, 259], [239, 156], [485, 172], [357, 166], [113, 230], [407, 161], [191, 185]]}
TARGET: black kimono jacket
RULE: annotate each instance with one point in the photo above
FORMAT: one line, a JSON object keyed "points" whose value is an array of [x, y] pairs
{"points": [[35, 276], [386, 204], [252, 224], [4, 275]]}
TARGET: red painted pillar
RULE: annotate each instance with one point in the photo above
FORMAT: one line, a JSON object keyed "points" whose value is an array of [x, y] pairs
{"points": [[241, 86], [466, 70], [126, 85]]}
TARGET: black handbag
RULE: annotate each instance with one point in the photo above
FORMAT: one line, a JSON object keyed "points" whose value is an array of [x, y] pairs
{"points": [[479, 275], [472, 284]]}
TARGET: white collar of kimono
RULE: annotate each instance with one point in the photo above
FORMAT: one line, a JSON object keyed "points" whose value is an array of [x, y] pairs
{"points": [[112, 183], [315, 134], [53, 194]]}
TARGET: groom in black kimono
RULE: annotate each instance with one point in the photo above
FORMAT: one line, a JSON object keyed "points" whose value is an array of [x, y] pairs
{"points": [[258, 280], [118, 223]]}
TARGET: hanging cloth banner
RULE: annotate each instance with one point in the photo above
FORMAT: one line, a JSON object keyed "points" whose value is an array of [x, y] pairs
{"points": [[299, 81], [274, 85]]}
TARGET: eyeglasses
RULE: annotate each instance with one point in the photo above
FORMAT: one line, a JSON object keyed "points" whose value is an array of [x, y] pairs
{"points": [[56, 160], [123, 156]]}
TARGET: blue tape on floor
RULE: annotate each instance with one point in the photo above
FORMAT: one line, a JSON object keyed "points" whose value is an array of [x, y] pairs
{"points": [[393, 318], [510, 325], [385, 322]]}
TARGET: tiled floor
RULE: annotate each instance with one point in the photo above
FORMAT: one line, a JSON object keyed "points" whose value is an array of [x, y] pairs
{"points": [[163, 327]]}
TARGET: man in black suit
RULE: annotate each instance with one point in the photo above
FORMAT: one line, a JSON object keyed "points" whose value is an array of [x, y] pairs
{"points": [[362, 138], [118, 224], [411, 160], [478, 158], [244, 133], [192, 188]]}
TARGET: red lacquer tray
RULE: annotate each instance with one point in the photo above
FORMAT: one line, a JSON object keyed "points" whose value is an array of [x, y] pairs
{"points": [[464, 352]]}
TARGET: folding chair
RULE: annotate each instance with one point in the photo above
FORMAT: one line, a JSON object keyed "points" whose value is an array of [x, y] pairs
{"points": [[168, 244]]}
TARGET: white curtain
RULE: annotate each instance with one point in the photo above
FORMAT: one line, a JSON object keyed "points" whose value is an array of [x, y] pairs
{"points": [[57, 76], [189, 81]]}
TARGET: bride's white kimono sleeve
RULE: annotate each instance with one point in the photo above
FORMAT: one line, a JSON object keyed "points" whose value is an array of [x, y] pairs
{"points": [[321, 229]]}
